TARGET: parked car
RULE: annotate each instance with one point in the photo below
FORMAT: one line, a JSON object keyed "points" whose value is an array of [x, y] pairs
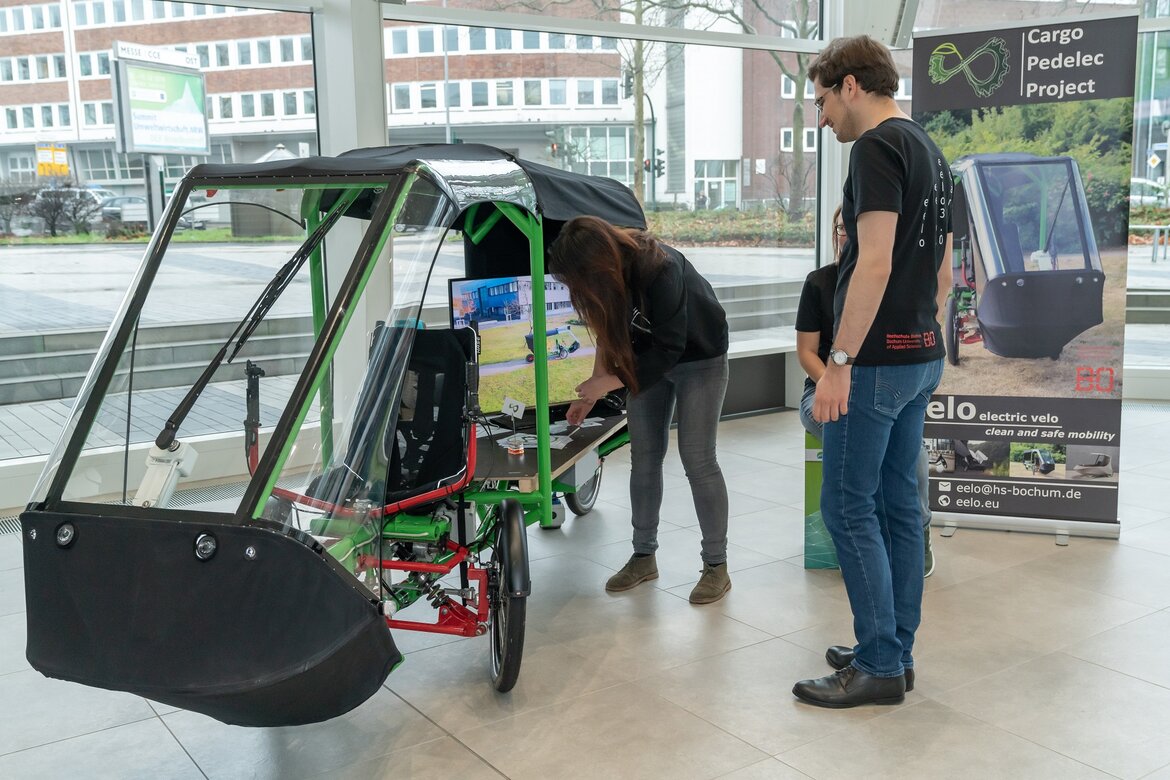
{"points": [[125, 209], [132, 210], [1146, 192]]}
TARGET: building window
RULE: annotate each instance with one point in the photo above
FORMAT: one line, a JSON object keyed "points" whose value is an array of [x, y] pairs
{"points": [[10, 118], [204, 53], [609, 92], [80, 15], [585, 89], [810, 139], [23, 72], [401, 97], [38, 16], [90, 110], [454, 94], [787, 88], [119, 10], [287, 50], [556, 92], [503, 39], [42, 68], [108, 113], [222, 57], [5, 70], [477, 38], [247, 105], [290, 103], [479, 93], [584, 42], [244, 52], [267, 104], [786, 139], [450, 39], [426, 40], [46, 116], [29, 118], [225, 108], [264, 52], [103, 60], [306, 48], [531, 92], [504, 93], [138, 10], [64, 118], [309, 99], [427, 96], [531, 39], [609, 44]]}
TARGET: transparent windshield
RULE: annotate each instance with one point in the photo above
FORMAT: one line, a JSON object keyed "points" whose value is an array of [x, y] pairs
{"points": [[214, 369], [1036, 213]]}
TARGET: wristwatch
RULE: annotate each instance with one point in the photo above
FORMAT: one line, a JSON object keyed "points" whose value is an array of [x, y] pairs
{"points": [[840, 357]]}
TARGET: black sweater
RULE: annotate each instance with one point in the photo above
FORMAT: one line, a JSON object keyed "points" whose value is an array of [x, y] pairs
{"points": [[676, 319]]}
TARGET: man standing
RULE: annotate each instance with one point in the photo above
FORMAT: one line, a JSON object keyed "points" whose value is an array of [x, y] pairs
{"points": [[886, 360]]}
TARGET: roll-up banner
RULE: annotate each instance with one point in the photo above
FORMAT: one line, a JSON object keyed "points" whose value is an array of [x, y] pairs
{"points": [[1036, 121]]}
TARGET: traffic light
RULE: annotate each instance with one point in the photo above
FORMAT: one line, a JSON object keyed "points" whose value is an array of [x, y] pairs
{"points": [[627, 84], [646, 165], [556, 140], [659, 163]]}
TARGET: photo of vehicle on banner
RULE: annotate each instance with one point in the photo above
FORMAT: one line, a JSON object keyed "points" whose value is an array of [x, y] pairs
{"points": [[1035, 121]]}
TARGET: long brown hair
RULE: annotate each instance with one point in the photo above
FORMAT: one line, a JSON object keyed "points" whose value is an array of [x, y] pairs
{"points": [[601, 264]]}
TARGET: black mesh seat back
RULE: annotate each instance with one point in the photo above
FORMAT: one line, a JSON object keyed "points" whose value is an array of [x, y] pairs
{"points": [[428, 447]]}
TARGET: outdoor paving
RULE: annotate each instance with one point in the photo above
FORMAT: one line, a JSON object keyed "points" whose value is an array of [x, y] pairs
{"points": [[80, 287]]}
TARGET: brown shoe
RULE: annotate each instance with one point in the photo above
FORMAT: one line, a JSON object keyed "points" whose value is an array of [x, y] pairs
{"points": [[636, 571], [712, 585]]}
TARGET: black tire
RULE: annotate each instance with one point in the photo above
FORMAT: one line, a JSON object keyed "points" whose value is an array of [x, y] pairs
{"points": [[951, 331], [583, 500], [508, 599]]}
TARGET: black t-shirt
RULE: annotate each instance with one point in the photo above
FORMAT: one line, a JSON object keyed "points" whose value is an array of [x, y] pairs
{"points": [[815, 312], [896, 167], [677, 319]]}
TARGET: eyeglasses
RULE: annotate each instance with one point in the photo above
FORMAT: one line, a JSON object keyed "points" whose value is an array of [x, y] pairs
{"points": [[819, 103], [839, 229]]}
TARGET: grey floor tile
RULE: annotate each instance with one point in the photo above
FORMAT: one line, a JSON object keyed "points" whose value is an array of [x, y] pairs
{"points": [[1104, 566], [11, 552], [380, 726], [780, 484], [763, 711], [52, 710], [617, 732], [1154, 537], [13, 635], [777, 531], [143, 750], [11, 591], [451, 684], [1099, 717], [930, 740], [779, 598], [1136, 649], [442, 758], [772, 769], [1160, 774], [678, 557]]}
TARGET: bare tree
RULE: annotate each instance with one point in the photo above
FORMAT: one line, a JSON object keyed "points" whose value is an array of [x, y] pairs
{"points": [[791, 18], [14, 197], [63, 206]]}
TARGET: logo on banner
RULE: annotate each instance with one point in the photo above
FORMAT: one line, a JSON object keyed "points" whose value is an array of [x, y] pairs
{"points": [[995, 49]]}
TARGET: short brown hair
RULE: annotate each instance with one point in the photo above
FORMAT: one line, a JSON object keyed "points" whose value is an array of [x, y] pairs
{"points": [[861, 57]]}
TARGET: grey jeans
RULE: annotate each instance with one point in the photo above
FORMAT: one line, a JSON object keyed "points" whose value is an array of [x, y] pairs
{"points": [[697, 389]]}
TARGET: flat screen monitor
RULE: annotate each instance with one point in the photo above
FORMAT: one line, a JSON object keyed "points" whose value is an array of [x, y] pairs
{"points": [[500, 309]]}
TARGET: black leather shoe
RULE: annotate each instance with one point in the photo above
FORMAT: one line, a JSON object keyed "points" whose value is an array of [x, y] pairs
{"points": [[850, 687], [840, 656]]}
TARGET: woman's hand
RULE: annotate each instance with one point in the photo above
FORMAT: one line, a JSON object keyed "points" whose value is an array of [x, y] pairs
{"points": [[578, 411], [595, 387]]}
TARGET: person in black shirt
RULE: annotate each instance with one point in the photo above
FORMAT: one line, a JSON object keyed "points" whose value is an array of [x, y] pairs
{"points": [[661, 334], [886, 360], [814, 339]]}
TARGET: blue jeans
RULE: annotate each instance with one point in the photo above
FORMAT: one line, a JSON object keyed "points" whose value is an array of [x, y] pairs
{"points": [[870, 504], [922, 468], [697, 387]]}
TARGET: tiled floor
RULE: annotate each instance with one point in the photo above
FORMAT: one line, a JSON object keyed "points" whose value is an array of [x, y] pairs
{"points": [[1034, 661]]}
